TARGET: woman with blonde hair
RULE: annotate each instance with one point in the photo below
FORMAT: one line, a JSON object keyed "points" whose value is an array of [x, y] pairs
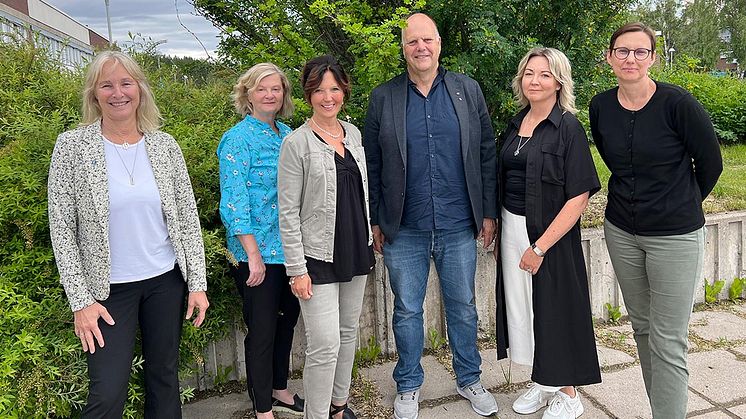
{"points": [[248, 154], [126, 238], [545, 179]]}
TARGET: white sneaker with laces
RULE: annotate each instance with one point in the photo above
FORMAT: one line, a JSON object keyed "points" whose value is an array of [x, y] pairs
{"points": [[563, 406], [532, 400], [407, 405], [482, 401]]}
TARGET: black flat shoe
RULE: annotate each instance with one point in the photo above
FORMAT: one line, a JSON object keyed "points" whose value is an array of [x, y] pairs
{"points": [[294, 409], [348, 413]]}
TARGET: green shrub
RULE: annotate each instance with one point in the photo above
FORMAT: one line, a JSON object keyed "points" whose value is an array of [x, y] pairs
{"points": [[42, 366], [723, 97]]}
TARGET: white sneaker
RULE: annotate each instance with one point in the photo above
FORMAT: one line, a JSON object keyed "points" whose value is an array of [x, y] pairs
{"points": [[482, 401], [563, 406], [407, 405], [532, 400]]}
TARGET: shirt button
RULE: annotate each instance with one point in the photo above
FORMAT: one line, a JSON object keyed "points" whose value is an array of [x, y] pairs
{"points": [[430, 135], [428, 116]]}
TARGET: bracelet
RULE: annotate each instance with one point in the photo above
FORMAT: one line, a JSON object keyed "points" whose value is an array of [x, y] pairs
{"points": [[292, 279], [540, 253]]}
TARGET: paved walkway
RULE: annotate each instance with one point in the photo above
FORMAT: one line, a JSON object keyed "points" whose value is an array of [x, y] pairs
{"points": [[717, 385]]}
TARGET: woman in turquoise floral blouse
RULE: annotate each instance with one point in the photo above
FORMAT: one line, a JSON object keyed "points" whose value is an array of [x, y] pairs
{"points": [[248, 154]]}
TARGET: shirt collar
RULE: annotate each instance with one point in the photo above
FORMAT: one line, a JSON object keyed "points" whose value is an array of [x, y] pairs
{"points": [[555, 116], [263, 125], [441, 74]]}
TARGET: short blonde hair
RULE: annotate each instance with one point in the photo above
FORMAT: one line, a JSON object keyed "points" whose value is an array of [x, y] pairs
{"points": [[248, 82], [148, 116], [560, 68]]}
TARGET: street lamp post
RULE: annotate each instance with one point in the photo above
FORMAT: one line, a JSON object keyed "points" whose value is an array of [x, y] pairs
{"points": [[108, 21], [670, 55]]}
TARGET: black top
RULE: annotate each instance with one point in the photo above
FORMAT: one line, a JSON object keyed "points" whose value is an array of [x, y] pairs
{"points": [[352, 254], [559, 166], [664, 160], [514, 165]]}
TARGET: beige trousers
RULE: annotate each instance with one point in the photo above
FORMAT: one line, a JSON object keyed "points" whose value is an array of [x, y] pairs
{"points": [[331, 317]]}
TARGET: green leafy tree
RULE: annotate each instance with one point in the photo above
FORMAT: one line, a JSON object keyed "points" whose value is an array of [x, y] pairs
{"points": [[664, 16], [701, 29], [482, 38], [734, 20], [363, 36]]}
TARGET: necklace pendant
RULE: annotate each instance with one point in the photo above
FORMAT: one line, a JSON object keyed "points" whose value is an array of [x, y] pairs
{"points": [[132, 180], [515, 153], [125, 145]]}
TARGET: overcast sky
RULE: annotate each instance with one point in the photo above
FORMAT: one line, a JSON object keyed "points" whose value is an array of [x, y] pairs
{"points": [[154, 18]]}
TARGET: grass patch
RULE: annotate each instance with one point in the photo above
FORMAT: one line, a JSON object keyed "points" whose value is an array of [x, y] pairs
{"points": [[728, 195]]}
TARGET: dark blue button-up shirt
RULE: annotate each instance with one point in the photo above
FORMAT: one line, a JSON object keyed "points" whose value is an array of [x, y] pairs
{"points": [[436, 195]]}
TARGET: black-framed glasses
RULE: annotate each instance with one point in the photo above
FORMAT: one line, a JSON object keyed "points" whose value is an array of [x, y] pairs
{"points": [[640, 53]]}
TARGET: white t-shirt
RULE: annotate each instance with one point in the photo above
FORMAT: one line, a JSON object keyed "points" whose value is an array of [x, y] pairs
{"points": [[138, 236]]}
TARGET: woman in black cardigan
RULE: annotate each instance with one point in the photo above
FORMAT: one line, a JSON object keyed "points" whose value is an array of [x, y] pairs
{"points": [[664, 158]]}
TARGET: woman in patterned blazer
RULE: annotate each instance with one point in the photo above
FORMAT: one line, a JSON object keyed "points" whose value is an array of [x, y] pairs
{"points": [[126, 238]]}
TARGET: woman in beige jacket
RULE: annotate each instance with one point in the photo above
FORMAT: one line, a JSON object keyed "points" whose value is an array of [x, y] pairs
{"points": [[325, 230]]}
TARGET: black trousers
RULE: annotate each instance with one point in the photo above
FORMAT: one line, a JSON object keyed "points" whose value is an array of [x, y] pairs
{"points": [[270, 311], [156, 305]]}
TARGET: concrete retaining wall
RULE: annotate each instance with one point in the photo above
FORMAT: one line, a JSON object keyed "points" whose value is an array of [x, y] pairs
{"points": [[724, 259]]}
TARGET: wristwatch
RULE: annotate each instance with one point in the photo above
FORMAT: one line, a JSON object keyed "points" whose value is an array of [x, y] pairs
{"points": [[540, 253]]}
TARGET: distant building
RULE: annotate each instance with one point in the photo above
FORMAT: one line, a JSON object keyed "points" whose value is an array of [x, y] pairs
{"points": [[726, 61], [65, 38]]}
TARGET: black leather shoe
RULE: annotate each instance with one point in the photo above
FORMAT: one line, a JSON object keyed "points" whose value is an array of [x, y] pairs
{"points": [[294, 409], [348, 413]]}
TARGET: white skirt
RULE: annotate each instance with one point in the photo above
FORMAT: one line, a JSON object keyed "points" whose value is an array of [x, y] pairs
{"points": [[518, 288]]}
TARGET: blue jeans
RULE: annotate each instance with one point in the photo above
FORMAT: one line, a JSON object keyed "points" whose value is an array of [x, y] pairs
{"points": [[407, 260]]}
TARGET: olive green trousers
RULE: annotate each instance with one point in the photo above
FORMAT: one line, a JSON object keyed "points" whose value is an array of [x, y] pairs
{"points": [[658, 276]]}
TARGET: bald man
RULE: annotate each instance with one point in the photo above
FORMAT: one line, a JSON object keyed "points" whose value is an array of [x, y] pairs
{"points": [[431, 159]]}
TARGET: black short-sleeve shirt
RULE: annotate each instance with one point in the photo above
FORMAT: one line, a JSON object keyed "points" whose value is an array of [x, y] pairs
{"points": [[559, 166]]}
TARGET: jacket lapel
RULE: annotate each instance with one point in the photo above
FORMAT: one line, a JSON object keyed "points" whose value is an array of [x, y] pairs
{"points": [[92, 148], [399, 108], [456, 92]]}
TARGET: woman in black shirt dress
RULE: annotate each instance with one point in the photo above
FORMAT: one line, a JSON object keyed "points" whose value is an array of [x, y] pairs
{"points": [[546, 177], [664, 158]]}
